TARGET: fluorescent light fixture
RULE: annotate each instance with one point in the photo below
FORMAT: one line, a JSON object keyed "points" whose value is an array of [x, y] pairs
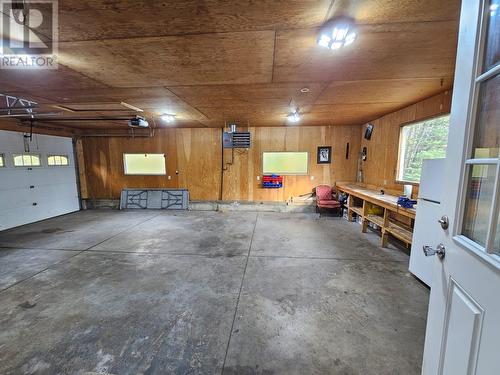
{"points": [[338, 33], [168, 118], [294, 117]]}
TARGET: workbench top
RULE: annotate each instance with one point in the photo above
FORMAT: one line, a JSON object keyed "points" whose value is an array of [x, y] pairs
{"points": [[385, 200]]}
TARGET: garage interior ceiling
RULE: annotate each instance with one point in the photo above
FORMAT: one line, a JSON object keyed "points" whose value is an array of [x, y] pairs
{"points": [[212, 61]]}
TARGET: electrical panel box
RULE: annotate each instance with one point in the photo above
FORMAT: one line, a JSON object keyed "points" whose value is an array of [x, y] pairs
{"points": [[227, 140]]}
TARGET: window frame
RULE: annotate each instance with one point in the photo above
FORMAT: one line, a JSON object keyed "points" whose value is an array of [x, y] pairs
{"points": [[286, 174], [481, 74], [400, 144], [143, 153], [58, 165], [26, 166]]}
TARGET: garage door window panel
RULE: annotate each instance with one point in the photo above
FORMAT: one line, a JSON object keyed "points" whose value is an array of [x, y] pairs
{"points": [[27, 160], [58, 160]]}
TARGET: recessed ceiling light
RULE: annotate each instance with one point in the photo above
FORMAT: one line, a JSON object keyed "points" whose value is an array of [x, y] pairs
{"points": [[337, 33], [168, 118], [304, 90]]}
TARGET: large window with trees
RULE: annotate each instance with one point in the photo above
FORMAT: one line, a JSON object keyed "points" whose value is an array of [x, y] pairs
{"points": [[418, 141]]}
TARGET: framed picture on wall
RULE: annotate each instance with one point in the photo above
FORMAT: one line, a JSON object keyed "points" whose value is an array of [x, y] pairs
{"points": [[324, 155]]}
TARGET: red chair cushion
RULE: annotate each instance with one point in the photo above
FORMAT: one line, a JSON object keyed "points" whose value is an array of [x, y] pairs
{"points": [[329, 204], [324, 197], [323, 192]]}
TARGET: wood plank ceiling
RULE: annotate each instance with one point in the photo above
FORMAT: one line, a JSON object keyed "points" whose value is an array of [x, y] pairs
{"points": [[212, 61]]}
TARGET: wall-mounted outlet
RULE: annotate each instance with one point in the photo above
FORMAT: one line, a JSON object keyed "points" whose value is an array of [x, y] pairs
{"points": [[312, 178], [169, 177], [258, 178], [385, 182]]}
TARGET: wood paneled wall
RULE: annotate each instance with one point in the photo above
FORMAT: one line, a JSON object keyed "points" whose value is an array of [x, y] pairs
{"points": [[240, 177], [380, 168], [196, 155], [193, 162]]}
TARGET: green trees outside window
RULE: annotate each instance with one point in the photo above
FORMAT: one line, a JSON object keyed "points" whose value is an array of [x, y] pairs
{"points": [[421, 140]]}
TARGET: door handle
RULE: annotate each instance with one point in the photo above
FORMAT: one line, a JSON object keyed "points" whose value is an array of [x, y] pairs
{"points": [[440, 251], [444, 221]]}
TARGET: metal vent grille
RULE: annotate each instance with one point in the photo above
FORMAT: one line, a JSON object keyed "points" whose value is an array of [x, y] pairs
{"points": [[241, 140]]}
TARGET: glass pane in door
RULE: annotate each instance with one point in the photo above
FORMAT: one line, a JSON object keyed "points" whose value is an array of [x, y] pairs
{"points": [[478, 205], [492, 52], [487, 138]]}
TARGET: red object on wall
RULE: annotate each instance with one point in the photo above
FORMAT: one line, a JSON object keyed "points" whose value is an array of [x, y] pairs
{"points": [[273, 181]]}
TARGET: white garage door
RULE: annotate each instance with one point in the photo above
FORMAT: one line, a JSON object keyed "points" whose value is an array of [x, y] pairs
{"points": [[33, 193]]}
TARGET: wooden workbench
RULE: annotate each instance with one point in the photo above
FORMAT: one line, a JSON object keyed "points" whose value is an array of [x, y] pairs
{"points": [[394, 220]]}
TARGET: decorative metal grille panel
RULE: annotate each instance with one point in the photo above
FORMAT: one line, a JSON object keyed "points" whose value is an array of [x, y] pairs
{"points": [[159, 199], [236, 140], [241, 140]]}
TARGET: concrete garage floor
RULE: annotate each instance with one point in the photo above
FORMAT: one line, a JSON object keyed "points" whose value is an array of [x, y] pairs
{"points": [[150, 292]]}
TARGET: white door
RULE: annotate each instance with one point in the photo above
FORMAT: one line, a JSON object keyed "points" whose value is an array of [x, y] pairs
{"points": [[430, 196], [425, 230], [29, 194], [463, 328]]}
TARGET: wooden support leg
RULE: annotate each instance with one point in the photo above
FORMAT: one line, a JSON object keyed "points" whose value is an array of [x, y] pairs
{"points": [[385, 238], [364, 225], [364, 222]]}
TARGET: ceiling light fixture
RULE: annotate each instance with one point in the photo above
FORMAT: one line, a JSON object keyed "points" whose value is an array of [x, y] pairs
{"points": [[304, 90], [338, 33], [168, 118], [294, 117]]}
